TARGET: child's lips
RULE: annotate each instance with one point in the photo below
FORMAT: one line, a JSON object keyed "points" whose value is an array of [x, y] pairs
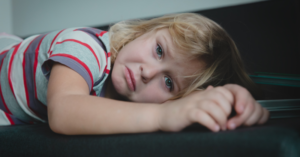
{"points": [[130, 79]]}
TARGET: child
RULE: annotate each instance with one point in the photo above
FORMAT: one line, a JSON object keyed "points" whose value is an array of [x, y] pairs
{"points": [[164, 77]]}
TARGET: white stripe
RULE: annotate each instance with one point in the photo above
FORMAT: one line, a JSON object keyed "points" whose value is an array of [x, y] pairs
{"points": [[99, 52], [3, 119], [41, 81], [105, 40], [18, 81], [64, 32]]}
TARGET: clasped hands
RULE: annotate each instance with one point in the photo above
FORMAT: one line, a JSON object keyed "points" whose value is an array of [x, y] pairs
{"points": [[211, 108]]}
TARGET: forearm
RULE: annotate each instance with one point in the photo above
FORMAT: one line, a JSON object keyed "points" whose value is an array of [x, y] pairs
{"points": [[84, 114]]}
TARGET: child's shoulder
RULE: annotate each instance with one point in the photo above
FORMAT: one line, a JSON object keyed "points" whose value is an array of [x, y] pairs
{"points": [[83, 35]]}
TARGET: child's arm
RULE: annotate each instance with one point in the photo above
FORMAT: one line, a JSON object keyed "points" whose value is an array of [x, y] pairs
{"points": [[71, 110]]}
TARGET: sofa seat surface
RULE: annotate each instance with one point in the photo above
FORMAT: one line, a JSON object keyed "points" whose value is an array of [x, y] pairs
{"points": [[279, 137]]}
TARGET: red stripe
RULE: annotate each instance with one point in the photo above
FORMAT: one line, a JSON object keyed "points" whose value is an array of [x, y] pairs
{"points": [[106, 71], [79, 61], [101, 33], [54, 40], [108, 54], [9, 68], [9, 118], [93, 93], [4, 51], [84, 44], [35, 64], [24, 74], [1, 92]]}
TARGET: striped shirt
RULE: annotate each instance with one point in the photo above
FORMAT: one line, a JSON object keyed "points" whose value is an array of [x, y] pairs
{"points": [[25, 69]]}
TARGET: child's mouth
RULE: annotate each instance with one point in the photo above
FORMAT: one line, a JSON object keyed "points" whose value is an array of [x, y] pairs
{"points": [[130, 79]]}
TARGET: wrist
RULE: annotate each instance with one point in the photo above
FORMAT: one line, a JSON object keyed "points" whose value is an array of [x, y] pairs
{"points": [[153, 117]]}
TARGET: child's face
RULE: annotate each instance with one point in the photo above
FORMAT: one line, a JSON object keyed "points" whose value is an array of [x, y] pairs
{"points": [[148, 69]]}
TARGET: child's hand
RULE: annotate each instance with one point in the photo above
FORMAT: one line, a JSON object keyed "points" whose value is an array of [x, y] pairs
{"points": [[249, 112], [210, 108]]}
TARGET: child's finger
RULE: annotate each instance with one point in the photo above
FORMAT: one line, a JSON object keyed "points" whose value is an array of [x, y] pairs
{"points": [[241, 97], [215, 112], [224, 99], [265, 116], [204, 119], [255, 116], [240, 118]]}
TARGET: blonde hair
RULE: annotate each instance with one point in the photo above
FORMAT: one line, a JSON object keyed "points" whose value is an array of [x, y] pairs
{"points": [[200, 38]]}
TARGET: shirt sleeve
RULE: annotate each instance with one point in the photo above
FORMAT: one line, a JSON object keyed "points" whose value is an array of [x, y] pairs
{"points": [[81, 52]]}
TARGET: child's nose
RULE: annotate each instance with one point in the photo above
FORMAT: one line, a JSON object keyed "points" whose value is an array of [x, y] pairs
{"points": [[148, 72]]}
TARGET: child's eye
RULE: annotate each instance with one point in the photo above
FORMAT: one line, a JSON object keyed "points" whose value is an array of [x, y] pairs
{"points": [[159, 51], [169, 83]]}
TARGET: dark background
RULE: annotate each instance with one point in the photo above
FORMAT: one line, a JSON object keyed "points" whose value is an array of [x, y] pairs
{"points": [[266, 33]]}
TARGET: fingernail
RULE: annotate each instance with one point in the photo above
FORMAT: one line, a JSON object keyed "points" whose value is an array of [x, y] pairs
{"points": [[232, 126], [217, 128]]}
